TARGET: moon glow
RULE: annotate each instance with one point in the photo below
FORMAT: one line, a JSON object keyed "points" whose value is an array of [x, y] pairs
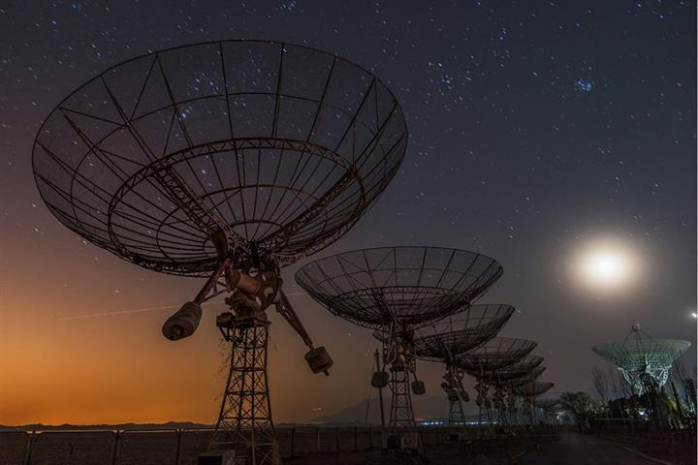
{"points": [[606, 266]]}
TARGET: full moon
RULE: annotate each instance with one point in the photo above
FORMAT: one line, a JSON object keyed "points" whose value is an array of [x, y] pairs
{"points": [[606, 265]]}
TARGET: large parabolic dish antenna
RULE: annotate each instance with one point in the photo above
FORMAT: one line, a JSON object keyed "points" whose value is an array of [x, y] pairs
{"points": [[225, 160], [408, 286], [533, 389], [282, 146], [533, 375], [459, 333], [494, 355], [643, 361], [513, 373]]}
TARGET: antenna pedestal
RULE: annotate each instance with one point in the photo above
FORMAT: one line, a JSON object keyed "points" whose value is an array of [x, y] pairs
{"points": [[456, 417], [402, 429], [401, 414], [245, 423]]}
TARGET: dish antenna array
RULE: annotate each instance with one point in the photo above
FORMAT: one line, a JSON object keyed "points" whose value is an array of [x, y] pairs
{"points": [[529, 392], [226, 161], [547, 409], [505, 379], [531, 376], [496, 354], [546, 404], [395, 291], [644, 362], [445, 340]]}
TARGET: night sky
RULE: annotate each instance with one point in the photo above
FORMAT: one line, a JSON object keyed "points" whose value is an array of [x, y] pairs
{"points": [[535, 128]]}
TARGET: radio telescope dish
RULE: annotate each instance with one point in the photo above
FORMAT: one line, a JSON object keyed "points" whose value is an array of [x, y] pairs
{"points": [[643, 362], [529, 392], [516, 371], [282, 146], [546, 404], [495, 354], [533, 375], [226, 160], [394, 291], [533, 389], [407, 286], [444, 340], [505, 379]]}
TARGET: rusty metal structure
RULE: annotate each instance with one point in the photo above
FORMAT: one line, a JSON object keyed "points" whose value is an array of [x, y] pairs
{"points": [[505, 379], [528, 392], [507, 375], [444, 340], [530, 377], [226, 161], [496, 354], [547, 408], [546, 403], [394, 291]]}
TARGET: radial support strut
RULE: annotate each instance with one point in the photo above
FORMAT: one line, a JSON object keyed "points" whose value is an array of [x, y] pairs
{"points": [[245, 422]]}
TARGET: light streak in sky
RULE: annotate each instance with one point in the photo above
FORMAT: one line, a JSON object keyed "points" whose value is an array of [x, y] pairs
{"points": [[144, 310]]}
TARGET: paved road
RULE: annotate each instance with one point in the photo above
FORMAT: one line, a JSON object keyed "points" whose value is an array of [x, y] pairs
{"points": [[577, 449]]}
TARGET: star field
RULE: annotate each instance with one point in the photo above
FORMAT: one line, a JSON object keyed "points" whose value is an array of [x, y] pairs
{"points": [[534, 125]]}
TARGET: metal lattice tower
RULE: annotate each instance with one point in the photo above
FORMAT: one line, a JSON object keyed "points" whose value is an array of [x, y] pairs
{"points": [[505, 379], [547, 407], [394, 291], [224, 160], [401, 413], [444, 340], [644, 362], [246, 407], [529, 392], [456, 416], [495, 354]]}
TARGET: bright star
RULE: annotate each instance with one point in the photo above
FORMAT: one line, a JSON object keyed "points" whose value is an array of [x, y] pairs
{"points": [[583, 85]]}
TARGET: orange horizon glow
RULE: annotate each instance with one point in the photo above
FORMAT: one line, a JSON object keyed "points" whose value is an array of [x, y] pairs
{"points": [[56, 369]]}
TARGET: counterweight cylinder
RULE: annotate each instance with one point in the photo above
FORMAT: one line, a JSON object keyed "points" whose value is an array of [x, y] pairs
{"points": [[183, 323]]}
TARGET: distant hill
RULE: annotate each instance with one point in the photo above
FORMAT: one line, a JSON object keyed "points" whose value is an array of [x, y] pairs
{"points": [[425, 409], [121, 426]]}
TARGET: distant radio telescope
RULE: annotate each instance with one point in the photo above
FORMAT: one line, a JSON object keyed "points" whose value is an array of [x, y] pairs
{"points": [[643, 362], [395, 291], [455, 335]]}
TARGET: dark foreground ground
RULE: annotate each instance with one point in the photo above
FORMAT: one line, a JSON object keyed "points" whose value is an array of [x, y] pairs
{"points": [[568, 449], [356, 446], [577, 449]]}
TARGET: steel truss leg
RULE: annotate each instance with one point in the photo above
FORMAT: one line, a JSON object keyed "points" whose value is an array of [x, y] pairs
{"points": [[245, 421], [456, 417], [401, 414]]}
